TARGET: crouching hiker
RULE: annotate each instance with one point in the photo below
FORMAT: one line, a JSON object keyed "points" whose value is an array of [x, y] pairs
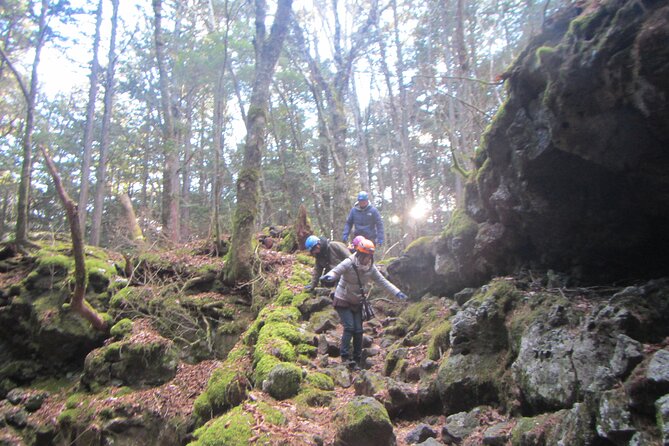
{"points": [[328, 254], [354, 274]]}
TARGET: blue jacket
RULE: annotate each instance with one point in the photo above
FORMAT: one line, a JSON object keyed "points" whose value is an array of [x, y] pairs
{"points": [[367, 222]]}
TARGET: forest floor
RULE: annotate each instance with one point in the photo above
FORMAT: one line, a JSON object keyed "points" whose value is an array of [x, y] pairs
{"points": [[174, 399]]}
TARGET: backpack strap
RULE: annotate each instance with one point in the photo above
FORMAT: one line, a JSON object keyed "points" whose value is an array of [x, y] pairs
{"points": [[362, 290]]}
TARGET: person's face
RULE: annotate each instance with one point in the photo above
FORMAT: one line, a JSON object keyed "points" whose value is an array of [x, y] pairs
{"points": [[315, 250], [363, 203], [365, 259]]}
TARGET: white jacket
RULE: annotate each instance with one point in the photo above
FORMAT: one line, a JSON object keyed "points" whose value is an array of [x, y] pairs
{"points": [[348, 290]]}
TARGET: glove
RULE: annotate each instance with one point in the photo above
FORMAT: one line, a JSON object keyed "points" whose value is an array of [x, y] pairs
{"points": [[401, 296], [327, 278]]}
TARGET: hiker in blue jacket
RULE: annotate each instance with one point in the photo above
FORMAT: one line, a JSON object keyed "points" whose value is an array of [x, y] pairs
{"points": [[365, 220]]}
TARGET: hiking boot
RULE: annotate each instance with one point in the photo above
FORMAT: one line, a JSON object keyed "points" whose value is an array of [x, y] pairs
{"points": [[353, 366]]}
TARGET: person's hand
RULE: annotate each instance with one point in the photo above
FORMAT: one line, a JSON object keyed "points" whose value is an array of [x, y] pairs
{"points": [[327, 278], [400, 295]]}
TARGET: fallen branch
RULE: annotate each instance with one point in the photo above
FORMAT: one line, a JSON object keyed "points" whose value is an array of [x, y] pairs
{"points": [[79, 304]]}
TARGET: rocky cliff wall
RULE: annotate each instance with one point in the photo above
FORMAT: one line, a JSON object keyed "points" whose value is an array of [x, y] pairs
{"points": [[573, 174]]}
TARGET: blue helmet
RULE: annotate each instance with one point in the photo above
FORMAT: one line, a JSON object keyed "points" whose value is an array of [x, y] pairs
{"points": [[311, 241], [362, 195]]}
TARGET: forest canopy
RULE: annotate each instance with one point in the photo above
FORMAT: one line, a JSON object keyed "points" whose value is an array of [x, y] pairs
{"points": [[390, 97]]}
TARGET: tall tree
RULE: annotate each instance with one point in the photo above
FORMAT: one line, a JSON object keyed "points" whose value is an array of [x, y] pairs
{"points": [[239, 265], [30, 95], [101, 176], [170, 208], [90, 120], [335, 87]]}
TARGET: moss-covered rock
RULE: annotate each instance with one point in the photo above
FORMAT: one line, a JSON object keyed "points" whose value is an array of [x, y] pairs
{"points": [[439, 341], [283, 381], [320, 381], [468, 381], [134, 361], [363, 422], [227, 387], [313, 397], [121, 329]]}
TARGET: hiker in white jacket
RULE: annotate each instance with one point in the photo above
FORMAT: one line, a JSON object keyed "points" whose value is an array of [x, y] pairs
{"points": [[354, 274]]}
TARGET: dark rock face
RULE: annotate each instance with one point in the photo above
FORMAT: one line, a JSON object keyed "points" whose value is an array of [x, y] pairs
{"points": [[573, 171], [577, 159]]}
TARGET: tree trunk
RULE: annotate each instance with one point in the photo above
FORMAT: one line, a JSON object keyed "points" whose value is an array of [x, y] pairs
{"points": [[218, 140], [78, 304], [170, 207], [90, 121], [332, 112], [361, 151], [238, 268], [134, 230], [101, 177], [26, 166]]}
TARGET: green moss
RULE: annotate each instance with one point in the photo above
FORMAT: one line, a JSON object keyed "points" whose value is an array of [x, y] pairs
{"points": [[238, 353], [523, 426], [580, 25], [235, 428], [278, 347], [226, 388], [288, 241], [282, 330], [440, 341], [121, 329], [232, 429], [125, 390], [483, 170], [231, 328], [270, 314], [283, 381], [69, 416], [299, 298], [417, 316], [314, 397], [361, 412], [420, 243], [305, 259], [58, 262], [271, 415], [285, 297], [75, 400], [544, 52], [502, 291], [263, 367], [320, 381], [100, 268], [306, 350], [318, 319], [460, 225]]}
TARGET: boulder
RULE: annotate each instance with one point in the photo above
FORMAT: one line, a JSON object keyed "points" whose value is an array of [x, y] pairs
{"points": [[662, 406], [614, 420], [459, 425], [420, 433], [283, 381], [497, 434], [585, 127], [467, 381], [144, 358], [363, 422]]}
